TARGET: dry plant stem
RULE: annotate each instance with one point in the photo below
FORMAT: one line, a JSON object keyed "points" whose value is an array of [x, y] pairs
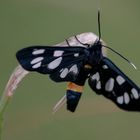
{"points": [[16, 77], [59, 104]]}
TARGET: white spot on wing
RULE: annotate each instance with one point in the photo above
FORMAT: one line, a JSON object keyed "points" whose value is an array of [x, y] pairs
{"points": [[96, 76], [61, 70], [64, 73], [120, 100], [126, 98], [105, 67], [36, 65], [76, 54], [109, 85], [135, 93], [98, 85], [36, 60], [58, 53], [120, 80], [74, 69], [55, 63], [39, 51]]}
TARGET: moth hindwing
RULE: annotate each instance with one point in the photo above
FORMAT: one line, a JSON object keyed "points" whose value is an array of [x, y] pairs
{"points": [[108, 80]]}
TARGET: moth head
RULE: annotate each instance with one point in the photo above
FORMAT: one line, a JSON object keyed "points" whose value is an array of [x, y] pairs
{"points": [[88, 39]]}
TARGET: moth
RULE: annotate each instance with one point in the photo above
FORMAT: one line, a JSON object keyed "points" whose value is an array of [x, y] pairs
{"points": [[76, 64]]}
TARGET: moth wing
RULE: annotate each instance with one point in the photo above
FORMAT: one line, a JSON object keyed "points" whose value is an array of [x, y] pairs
{"points": [[62, 63], [109, 81]]}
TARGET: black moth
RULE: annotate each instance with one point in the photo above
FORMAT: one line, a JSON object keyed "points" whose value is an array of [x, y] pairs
{"points": [[76, 64]]}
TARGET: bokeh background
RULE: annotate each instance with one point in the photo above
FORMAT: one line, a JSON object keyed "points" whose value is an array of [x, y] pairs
{"points": [[47, 22]]}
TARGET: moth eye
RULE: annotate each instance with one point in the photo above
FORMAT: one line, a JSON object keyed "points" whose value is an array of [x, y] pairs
{"points": [[39, 51], [55, 63], [120, 80], [109, 85]]}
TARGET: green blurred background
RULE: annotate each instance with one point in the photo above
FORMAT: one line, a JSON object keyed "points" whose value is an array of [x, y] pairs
{"points": [[47, 22]]}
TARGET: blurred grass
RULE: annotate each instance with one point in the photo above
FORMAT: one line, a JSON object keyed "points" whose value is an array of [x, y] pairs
{"points": [[47, 22]]}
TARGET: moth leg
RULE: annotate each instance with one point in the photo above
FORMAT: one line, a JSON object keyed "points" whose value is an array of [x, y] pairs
{"points": [[59, 104]]}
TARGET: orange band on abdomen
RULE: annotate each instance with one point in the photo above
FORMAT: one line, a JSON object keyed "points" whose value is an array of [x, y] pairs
{"points": [[75, 87]]}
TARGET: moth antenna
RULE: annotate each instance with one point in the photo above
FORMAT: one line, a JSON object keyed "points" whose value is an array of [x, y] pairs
{"points": [[99, 30], [67, 42], [132, 64], [85, 44], [99, 24]]}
